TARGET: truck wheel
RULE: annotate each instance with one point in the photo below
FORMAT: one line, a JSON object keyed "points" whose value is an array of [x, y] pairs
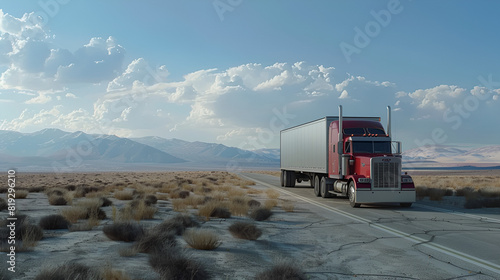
{"points": [[407, 205], [352, 196], [282, 179], [317, 185], [291, 179], [323, 188]]}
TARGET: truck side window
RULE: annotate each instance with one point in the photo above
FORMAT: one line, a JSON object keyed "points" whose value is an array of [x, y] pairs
{"points": [[347, 147], [333, 148]]}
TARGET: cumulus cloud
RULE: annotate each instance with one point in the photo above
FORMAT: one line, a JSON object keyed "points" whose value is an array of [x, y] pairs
{"points": [[32, 63], [138, 70], [42, 98], [437, 97], [240, 102], [344, 94]]}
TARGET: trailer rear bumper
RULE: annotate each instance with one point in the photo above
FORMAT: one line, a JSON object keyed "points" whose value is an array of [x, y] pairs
{"points": [[399, 196]]}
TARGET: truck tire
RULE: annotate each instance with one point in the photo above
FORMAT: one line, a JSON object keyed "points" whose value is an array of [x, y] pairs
{"points": [[288, 179], [317, 182], [407, 205], [352, 195], [324, 188], [282, 179], [291, 179]]}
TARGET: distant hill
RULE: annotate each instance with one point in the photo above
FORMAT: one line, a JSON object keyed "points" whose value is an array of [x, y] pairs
{"points": [[54, 145], [208, 152], [451, 154]]}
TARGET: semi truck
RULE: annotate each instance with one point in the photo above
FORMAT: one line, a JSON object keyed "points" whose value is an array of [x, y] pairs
{"points": [[352, 157]]}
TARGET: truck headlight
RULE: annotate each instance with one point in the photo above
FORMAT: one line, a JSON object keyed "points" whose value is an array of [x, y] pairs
{"points": [[407, 180], [364, 180]]}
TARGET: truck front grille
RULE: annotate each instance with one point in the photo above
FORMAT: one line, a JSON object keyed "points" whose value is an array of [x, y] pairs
{"points": [[386, 174]]}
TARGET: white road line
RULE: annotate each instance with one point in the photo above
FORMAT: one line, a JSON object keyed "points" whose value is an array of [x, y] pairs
{"points": [[437, 209], [426, 243]]}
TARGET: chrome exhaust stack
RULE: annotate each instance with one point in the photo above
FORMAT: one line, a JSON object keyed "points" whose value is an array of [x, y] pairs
{"points": [[340, 147], [389, 121]]}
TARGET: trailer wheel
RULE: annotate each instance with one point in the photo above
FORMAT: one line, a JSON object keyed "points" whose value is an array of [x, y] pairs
{"points": [[352, 196], [324, 189], [289, 179], [317, 185], [407, 205]]}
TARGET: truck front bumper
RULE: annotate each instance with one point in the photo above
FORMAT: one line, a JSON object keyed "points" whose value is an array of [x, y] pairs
{"points": [[399, 196]]}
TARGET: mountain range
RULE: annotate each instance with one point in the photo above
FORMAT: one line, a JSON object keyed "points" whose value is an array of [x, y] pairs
{"points": [[453, 155], [73, 151], [50, 149]]}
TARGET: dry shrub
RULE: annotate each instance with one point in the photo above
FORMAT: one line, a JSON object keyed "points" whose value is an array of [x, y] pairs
{"points": [[124, 231], [270, 203], [239, 206], [137, 210], [260, 214], [236, 192], [124, 195], [179, 204], [272, 194], [214, 209], [58, 200], [21, 194], [288, 206], [74, 213], [282, 271], [96, 194], [202, 239], [105, 202], [254, 191], [3, 204], [245, 230], [421, 192], [222, 213], [162, 196], [168, 187], [108, 273], [179, 194], [55, 221], [482, 203], [253, 203], [150, 199], [69, 271], [27, 235], [155, 240], [436, 194], [56, 191], [489, 192], [194, 201], [173, 265], [36, 189], [177, 224], [218, 195]]}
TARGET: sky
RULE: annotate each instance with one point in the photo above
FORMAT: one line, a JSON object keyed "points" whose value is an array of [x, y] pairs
{"points": [[236, 72]]}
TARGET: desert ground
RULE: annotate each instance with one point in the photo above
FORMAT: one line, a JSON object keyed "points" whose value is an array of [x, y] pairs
{"points": [[206, 224]]}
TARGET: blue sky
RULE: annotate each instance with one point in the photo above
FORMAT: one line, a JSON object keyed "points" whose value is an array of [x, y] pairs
{"points": [[237, 71]]}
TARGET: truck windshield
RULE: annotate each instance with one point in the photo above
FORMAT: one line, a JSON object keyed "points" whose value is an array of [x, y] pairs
{"points": [[371, 147]]}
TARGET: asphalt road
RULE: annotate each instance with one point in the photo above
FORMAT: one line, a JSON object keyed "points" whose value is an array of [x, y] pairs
{"points": [[462, 240]]}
